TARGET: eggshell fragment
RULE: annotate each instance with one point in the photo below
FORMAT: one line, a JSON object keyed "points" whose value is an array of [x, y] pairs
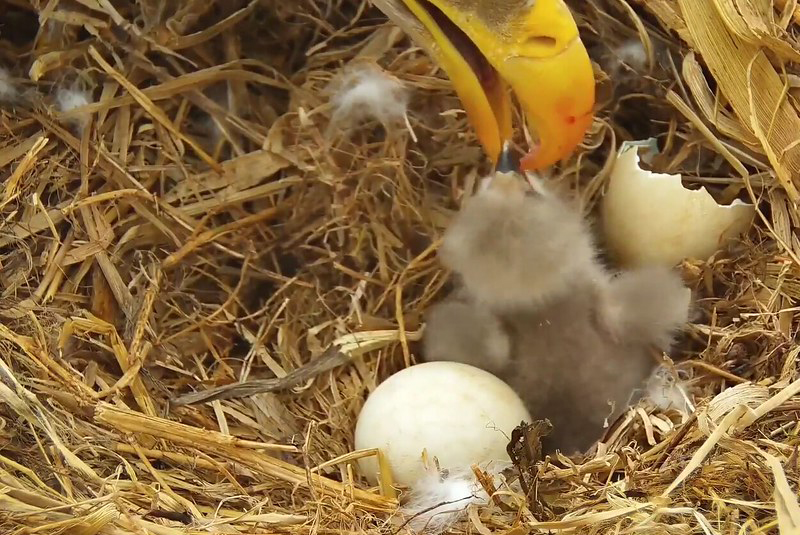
{"points": [[457, 413], [652, 219]]}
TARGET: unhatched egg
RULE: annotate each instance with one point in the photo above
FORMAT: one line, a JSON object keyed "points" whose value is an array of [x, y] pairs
{"points": [[457, 413]]}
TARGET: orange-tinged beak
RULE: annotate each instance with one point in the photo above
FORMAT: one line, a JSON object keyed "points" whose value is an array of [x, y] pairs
{"points": [[490, 46], [560, 108]]}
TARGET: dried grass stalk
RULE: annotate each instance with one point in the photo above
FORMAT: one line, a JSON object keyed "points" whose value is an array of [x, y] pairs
{"points": [[206, 235]]}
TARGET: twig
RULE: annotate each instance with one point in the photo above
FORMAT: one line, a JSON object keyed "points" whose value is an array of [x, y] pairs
{"points": [[331, 359]]}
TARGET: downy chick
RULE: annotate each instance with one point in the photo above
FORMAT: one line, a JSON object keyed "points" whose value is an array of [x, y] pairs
{"points": [[514, 245], [579, 340]]}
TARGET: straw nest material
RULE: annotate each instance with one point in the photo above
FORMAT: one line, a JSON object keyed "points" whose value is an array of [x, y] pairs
{"points": [[200, 223]]}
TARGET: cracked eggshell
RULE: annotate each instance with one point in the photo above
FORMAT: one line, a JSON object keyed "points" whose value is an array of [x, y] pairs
{"points": [[460, 414], [652, 219]]}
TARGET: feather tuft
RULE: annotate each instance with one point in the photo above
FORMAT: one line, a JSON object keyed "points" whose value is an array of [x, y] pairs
{"points": [[632, 54], [441, 498], [68, 100], [367, 92], [8, 91], [666, 390]]}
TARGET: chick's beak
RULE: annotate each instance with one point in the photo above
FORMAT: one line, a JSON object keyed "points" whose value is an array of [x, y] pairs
{"points": [[507, 163], [533, 48]]}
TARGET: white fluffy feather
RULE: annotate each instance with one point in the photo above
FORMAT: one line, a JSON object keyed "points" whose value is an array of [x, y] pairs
{"points": [[667, 391], [8, 91], [366, 92], [632, 54], [72, 99], [440, 499]]}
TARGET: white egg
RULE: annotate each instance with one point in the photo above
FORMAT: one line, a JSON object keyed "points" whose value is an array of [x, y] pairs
{"points": [[457, 413], [652, 219]]}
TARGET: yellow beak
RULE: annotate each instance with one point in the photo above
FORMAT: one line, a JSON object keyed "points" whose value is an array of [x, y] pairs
{"points": [[489, 46]]}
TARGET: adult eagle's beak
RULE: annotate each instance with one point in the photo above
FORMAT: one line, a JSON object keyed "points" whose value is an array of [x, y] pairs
{"points": [[489, 46]]}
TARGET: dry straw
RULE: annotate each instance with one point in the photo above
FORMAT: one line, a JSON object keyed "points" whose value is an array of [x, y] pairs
{"points": [[205, 227]]}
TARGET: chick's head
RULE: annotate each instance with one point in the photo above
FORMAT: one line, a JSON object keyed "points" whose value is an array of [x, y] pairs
{"points": [[515, 245]]}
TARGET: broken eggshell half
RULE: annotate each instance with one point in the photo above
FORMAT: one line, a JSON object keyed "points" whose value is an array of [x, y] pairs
{"points": [[652, 219]]}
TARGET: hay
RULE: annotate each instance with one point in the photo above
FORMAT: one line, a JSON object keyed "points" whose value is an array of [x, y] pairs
{"points": [[204, 227]]}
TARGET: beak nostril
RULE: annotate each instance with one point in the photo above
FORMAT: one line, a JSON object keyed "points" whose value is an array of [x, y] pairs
{"points": [[543, 41]]}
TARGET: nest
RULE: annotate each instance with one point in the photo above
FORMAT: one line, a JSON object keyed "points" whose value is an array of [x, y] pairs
{"points": [[199, 225]]}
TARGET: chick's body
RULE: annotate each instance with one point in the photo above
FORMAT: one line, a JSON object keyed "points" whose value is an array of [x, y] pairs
{"points": [[537, 309], [568, 368]]}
